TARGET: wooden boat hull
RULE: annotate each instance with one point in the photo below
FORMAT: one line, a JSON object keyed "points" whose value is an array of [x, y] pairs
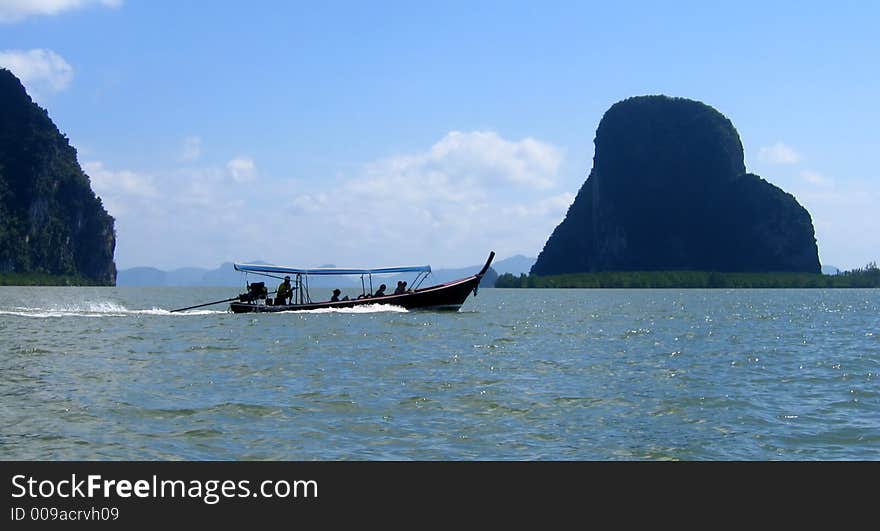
{"points": [[449, 296], [441, 297]]}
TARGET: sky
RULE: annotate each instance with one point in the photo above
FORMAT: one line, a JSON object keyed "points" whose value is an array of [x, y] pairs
{"points": [[364, 134]]}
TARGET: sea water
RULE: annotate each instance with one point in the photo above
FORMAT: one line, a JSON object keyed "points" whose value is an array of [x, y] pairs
{"points": [[111, 373]]}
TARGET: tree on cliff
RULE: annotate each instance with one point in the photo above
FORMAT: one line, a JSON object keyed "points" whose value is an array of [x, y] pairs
{"points": [[51, 222], [669, 191]]}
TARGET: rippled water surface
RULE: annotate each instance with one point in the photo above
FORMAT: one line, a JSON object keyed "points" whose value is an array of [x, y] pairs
{"points": [[109, 373]]}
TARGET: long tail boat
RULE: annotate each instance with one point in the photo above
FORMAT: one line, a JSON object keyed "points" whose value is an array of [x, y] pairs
{"points": [[446, 296]]}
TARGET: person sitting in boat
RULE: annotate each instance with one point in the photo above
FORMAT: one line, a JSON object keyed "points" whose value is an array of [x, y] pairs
{"points": [[401, 287], [285, 291], [380, 292], [335, 297]]}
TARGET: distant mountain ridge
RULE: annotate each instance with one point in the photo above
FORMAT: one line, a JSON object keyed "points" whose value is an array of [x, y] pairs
{"points": [[515, 265], [830, 270], [226, 275]]}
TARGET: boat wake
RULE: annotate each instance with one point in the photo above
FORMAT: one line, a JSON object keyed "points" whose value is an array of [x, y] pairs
{"points": [[364, 308], [96, 309], [112, 309]]}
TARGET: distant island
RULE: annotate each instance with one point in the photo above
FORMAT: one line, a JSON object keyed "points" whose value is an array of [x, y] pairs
{"points": [[669, 192], [668, 203], [53, 228], [866, 277]]}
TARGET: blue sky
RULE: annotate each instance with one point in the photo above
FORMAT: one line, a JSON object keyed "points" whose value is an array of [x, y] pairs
{"points": [[367, 134]]}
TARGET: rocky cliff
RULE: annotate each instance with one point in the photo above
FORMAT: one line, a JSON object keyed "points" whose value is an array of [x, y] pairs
{"points": [[51, 222], [669, 191]]}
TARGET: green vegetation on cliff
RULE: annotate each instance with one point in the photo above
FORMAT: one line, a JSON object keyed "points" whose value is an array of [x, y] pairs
{"points": [[868, 277], [51, 222]]}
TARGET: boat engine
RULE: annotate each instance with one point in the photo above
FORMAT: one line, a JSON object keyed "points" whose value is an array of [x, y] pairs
{"points": [[256, 291]]}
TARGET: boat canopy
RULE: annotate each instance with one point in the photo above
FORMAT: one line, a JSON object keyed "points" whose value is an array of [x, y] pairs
{"points": [[262, 268]]}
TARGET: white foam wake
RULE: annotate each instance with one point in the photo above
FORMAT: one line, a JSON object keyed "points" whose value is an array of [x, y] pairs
{"points": [[95, 309], [112, 309], [363, 308]]}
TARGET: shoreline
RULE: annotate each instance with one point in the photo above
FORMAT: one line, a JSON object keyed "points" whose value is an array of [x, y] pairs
{"points": [[44, 279], [860, 278]]}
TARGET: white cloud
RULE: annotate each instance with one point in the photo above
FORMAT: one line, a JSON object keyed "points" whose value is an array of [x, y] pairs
{"points": [[552, 205], [119, 189], [815, 178], [447, 205], [177, 217], [242, 169], [779, 153], [845, 220], [38, 69], [465, 195], [119, 182], [16, 10], [485, 156], [192, 148]]}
